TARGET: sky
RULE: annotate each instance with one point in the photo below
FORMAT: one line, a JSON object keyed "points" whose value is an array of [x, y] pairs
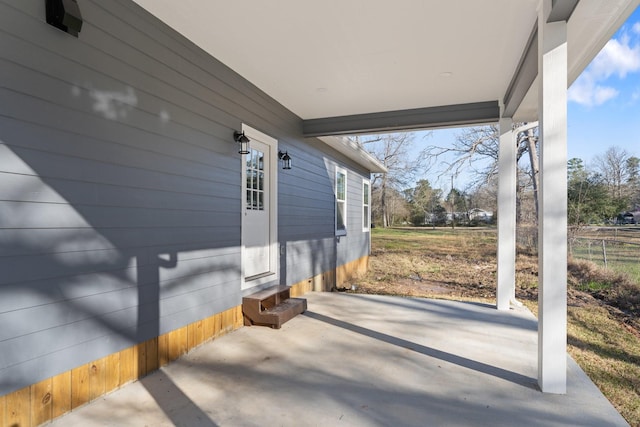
{"points": [[603, 103]]}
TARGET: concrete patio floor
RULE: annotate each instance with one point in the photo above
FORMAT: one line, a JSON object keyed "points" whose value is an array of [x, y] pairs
{"points": [[361, 360]]}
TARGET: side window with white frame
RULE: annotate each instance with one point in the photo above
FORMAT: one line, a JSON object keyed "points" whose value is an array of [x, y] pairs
{"points": [[341, 202], [366, 205]]}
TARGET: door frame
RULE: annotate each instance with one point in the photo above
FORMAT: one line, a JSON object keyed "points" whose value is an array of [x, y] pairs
{"points": [[273, 275]]}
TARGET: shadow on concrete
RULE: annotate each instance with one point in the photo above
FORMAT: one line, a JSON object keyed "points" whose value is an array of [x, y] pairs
{"points": [[458, 310], [174, 403], [322, 368], [431, 352]]}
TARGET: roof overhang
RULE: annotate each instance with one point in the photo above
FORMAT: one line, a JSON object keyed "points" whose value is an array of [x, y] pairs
{"points": [[360, 65], [355, 152]]}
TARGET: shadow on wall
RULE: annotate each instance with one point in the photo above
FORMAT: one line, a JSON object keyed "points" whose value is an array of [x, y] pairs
{"points": [[101, 246], [306, 229], [317, 255]]}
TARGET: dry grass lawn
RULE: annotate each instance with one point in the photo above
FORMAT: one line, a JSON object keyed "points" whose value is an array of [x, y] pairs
{"points": [[603, 313]]}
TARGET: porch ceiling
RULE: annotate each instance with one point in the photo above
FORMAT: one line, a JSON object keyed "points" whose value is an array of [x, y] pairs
{"points": [[335, 58]]}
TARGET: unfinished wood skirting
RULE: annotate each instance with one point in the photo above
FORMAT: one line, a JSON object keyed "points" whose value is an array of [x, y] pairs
{"points": [[330, 280], [324, 282], [53, 397], [351, 270]]}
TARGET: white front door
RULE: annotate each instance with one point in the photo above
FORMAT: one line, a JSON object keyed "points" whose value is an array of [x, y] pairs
{"points": [[259, 213]]}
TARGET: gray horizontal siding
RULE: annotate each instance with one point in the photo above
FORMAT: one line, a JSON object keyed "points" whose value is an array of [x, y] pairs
{"points": [[119, 188], [94, 171], [117, 44], [356, 243], [306, 216], [115, 262], [120, 192], [52, 215], [307, 213], [307, 258], [19, 242]]}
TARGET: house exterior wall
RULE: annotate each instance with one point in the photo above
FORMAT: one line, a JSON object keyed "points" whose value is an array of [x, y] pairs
{"points": [[307, 218], [356, 243], [120, 188]]}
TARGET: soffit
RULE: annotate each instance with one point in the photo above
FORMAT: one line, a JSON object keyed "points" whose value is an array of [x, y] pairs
{"points": [[339, 58]]}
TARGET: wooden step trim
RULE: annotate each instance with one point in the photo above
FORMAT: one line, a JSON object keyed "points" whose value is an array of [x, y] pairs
{"points": [[271, 307]]}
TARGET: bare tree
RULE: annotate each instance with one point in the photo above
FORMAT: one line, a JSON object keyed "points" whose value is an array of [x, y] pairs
{"points": [[612, 166], [476, 149], [397, 208], [633, 181], [526, 201], [529, 140], [398, 154], [484, 196]]}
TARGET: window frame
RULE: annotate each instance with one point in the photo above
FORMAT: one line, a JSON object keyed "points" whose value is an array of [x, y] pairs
{"points": [[341, 231], [366, 205]]}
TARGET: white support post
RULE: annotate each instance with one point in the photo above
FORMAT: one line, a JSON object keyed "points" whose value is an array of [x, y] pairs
{"points": [[552, 224], [506, 286]]}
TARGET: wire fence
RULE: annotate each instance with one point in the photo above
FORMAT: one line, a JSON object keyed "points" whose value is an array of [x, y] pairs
{"points": [[614, 248], [616, 255]]}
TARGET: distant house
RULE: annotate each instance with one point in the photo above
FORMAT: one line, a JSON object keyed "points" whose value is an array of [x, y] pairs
{"points": [[480, 215]]}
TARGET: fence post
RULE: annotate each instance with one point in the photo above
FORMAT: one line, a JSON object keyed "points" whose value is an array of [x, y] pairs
{"points": [[604, 253]]}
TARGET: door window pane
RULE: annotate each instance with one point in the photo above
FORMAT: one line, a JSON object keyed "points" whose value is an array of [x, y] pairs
{"points": [[255, 180]]}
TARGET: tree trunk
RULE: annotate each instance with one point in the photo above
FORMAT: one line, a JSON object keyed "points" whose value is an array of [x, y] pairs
{"points": [[533, 158], [383, 201], [453, 204]]}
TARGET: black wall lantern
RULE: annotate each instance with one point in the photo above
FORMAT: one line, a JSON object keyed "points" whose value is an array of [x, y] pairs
{"points": [[242, 139], [65, 15], [286, 159]]}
